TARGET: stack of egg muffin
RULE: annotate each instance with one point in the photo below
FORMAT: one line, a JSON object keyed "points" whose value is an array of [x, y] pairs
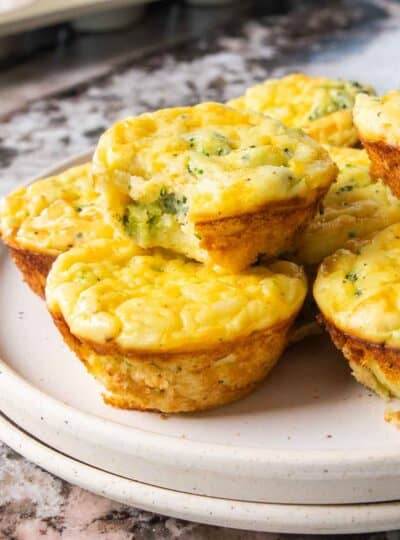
{"points": [[174, 264]]}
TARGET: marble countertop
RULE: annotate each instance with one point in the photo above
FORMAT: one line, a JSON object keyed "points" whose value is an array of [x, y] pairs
{"points": [[350, 39]]}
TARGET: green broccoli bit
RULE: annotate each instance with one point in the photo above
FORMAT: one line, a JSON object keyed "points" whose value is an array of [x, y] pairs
{"points": [[194, 171], [345, 188], [171, 204], [139, 219], [209, 143], [359, 88]]}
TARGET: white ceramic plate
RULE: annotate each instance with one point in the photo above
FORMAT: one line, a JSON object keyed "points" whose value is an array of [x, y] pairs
{"points": [[242, 515], [309, 435]]}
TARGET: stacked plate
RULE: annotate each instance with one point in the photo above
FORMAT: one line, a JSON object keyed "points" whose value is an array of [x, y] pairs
{"points": [[310, 437]]}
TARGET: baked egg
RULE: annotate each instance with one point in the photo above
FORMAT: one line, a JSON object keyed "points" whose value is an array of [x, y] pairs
{"points": [[166, 333], [357, 290], [48, 217], [320, 106], [212, 183]]}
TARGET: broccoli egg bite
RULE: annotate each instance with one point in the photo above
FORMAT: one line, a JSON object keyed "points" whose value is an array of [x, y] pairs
{"points": [[215, 184], [356, 206], [165, 333], [320, 106], [358, 293], [378, 122], [48, 217]]}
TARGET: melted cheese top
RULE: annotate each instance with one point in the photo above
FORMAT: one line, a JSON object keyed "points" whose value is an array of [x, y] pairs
{"points": [[114, 292], [54, 214], [219, 161], [299, 100], [359, 288], [354, 207], [378, 118]]}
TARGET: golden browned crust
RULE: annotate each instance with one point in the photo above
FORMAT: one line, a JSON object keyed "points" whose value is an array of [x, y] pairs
{"points": [[379, 359], [392, 417], [236, 242], [385, 163], [34, 267], [183, 381]]}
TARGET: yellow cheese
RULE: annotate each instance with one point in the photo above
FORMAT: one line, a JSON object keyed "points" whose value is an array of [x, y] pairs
{"points": [[112, 291], [358, 288], [319, 105], [54, 214], [354, 207], [378, 118], [161, 173]]}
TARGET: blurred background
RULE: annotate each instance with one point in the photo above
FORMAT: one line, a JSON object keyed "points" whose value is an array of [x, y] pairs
{"points": [[48, 46], [70, 68], [76, 40]]}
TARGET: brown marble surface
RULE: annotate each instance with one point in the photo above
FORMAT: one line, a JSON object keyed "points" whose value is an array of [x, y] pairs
{"points": [[352, 39], [34, 505]]}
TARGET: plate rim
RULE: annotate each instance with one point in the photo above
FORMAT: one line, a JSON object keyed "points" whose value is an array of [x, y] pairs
{"points": [[198, 453], [244, 515]]}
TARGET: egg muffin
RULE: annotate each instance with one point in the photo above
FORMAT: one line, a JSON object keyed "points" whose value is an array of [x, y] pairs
{"points": [[212, 183], [378, 123], [358, 292], [355, 206], [320, 106], [162, 332], [48, 217]]}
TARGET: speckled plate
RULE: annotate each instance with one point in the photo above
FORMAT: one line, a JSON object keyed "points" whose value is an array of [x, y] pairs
{"points": [[309, 435], [301, 519]]}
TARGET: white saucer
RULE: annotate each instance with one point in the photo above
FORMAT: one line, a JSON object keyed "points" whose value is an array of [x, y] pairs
{"points": [[309, 435], [242, 515]]}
